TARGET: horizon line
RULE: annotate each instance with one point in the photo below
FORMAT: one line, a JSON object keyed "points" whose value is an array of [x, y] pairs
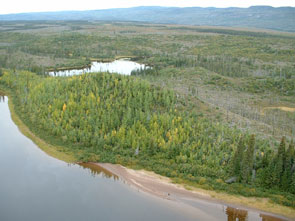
{"points": [[151, 6]]}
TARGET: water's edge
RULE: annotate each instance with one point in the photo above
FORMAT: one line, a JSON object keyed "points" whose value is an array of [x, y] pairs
{"points": [[69, 157], [51, 150], [123, 66], [145, 181], [104, 60]]}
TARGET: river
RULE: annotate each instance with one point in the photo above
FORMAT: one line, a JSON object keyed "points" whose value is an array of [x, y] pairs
{"points": [[36, 186]]}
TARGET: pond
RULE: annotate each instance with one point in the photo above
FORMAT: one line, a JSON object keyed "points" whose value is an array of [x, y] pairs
{"points": [[35, 186], [121, 66]]}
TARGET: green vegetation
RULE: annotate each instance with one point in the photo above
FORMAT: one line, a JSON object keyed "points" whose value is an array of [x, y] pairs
{"points": [[214, 106], [280, 86], [121, 119]]}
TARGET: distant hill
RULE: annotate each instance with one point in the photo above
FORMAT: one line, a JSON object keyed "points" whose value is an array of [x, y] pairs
{"points": [[265, 17]]}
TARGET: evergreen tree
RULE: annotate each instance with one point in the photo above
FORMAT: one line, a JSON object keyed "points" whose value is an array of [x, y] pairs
{"points": [[269, 177], [238, 158], [292, 186], [116, 115], [279, 163], [248, 159], [282, 149], [264, 169], [287, 175], [292, 152]]}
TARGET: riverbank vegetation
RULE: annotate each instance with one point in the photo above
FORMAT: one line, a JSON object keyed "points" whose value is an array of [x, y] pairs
{"points": [[120, 119], [216, 107]]}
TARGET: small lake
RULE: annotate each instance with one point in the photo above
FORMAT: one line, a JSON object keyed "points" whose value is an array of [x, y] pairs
{"points": [[35, 186], [121, 66]]}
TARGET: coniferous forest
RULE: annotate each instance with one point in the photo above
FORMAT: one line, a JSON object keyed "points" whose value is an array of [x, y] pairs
{"points": [[122, 119], [208, 112]]}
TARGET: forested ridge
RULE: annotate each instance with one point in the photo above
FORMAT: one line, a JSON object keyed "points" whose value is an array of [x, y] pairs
{"points": [[265, 17], [112, 118]]}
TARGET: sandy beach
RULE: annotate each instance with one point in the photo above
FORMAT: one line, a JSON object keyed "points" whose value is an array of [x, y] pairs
{"points": [[160, 186]]}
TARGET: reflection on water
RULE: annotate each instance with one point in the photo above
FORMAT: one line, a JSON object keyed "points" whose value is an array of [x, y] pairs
{"points": [[2, 98], [38, 187], [236, 214], [35, 186], [121, 66], [269, 218], [98, 170]]}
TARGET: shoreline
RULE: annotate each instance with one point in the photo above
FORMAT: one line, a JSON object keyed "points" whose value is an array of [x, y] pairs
{"points": [[103, 60], [163, 187], [51, 150], [137, 178]]}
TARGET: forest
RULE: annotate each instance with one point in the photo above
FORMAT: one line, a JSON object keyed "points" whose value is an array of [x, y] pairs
{"points": [[179, 118], [120, 119]]}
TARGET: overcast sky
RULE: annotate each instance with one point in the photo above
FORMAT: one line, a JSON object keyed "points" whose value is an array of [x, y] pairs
{"points": [[17, 6]]}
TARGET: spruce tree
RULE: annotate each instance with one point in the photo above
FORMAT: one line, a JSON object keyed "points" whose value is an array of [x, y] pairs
{"points": [[247, 163], [287, 174], [292, 186], [292, 152], [282, 149], [269, 176], [279, 163], [238, 158], [264, 170]]}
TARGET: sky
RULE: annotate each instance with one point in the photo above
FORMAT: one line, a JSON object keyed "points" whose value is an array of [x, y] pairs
{"points": [[19, 6]]}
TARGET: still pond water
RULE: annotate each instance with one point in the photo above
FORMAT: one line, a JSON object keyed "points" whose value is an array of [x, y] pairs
{"points": [[121, 66]]}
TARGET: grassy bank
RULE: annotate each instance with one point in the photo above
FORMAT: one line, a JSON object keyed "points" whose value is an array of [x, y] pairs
{"points": [[55, 151]]}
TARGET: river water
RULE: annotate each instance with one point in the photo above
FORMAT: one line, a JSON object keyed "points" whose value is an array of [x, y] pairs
{"points": [[35, 186], [121, 66]]}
